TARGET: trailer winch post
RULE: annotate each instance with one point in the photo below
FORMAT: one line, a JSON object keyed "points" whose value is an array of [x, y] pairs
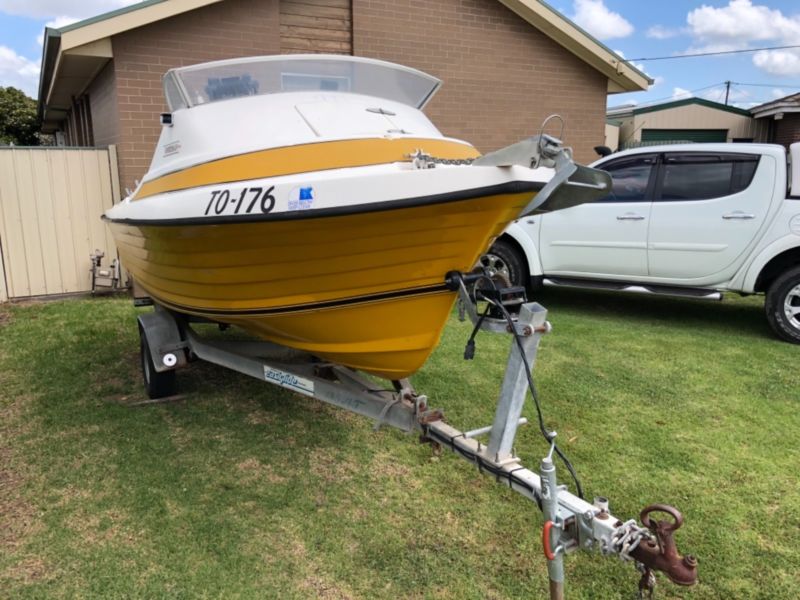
{"points": [[532, 323]]}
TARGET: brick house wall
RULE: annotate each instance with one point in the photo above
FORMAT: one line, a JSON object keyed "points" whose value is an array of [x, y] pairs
{"points": [[103, 102], [501, 76], [316, 26], [141, 56], [787, 130]]}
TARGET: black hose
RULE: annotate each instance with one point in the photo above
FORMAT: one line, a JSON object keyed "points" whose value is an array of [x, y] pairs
{"points": [[549, 436]]}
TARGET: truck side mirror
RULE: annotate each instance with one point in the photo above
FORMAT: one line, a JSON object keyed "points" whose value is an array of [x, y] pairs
{"points": [[602, 150]]}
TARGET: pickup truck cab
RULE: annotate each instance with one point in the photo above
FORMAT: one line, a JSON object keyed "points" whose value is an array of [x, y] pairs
{"points": [[689, 220]]}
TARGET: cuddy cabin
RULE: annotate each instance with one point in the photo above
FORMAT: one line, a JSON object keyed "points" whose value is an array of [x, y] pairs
{"points": [[243, 105]]}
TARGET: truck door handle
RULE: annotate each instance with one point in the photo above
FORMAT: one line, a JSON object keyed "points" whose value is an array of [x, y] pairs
{"points": [[737, 214], [630, 217]]}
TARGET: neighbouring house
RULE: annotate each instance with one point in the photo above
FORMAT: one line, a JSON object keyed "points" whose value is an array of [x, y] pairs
{"points": [[612, 134], [687, 120], [506, 64], [781, 118]]}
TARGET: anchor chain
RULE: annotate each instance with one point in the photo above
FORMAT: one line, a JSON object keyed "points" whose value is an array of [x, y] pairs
{"points": [[422, 160]]}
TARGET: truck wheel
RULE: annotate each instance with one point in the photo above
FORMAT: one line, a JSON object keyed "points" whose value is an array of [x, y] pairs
{"points": [[504, 262], [158, 385], [783, 306]]}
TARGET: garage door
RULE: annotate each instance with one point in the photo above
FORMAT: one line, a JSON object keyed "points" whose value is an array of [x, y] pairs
{"points": [[685, 135]]}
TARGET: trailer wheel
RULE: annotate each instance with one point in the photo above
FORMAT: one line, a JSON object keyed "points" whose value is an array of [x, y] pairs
{"points": [[158, 385], [783, 306]]}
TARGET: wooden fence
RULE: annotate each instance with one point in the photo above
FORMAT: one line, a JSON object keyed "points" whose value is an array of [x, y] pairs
{"points": [[51, 200]]}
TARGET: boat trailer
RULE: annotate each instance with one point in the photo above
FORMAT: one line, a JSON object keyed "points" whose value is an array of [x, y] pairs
{"points": [[571, 523]]}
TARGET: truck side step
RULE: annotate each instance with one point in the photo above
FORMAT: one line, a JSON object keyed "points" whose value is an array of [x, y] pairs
{"points": [[644, 288]]}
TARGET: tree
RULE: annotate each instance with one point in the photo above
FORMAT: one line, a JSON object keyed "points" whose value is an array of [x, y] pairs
{"points": [[19, 123]]}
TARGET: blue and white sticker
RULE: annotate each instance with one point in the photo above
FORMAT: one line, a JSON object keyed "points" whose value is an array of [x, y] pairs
{"points": [[289, 381], [301, 198]]}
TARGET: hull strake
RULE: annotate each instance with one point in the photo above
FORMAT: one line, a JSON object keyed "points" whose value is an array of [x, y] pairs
{"points": [[215, 271]]}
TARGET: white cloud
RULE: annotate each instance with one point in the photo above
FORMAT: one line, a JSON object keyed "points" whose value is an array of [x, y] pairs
{"points": [[595, 17], [741, 24], [18, 71], [657, 80], [778, 93], [56, 23], [659, 32], [778, 62], [679, 93], [50, 9]]}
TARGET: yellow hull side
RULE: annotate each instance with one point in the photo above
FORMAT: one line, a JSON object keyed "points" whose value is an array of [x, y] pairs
{"points": [[302, 283]]}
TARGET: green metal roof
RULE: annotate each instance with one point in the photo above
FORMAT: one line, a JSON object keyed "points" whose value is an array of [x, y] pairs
{"points": [[687, 101]]}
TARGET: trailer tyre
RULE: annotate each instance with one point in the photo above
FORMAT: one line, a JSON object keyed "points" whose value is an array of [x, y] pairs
{"points": [[783, 306], [158, 385]]}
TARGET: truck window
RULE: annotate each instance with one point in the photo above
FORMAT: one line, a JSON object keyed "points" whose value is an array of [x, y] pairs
{"points": [[630, 178], [705, 176]]}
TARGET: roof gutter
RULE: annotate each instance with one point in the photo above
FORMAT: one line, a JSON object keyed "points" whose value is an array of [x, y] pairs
{"points": [[52, 44]]}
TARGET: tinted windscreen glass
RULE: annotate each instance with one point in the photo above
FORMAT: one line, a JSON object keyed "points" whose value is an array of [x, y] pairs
{"points": [[704, 177], [629, 179]]}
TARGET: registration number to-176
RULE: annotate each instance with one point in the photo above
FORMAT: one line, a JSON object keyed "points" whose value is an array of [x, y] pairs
{"points": [[250, 200]]}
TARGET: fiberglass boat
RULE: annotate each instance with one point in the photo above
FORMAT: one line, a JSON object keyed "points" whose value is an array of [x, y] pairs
{"points": [[310, 201]]}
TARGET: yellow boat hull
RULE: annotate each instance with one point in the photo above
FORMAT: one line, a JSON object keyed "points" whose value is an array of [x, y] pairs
{"points": [[364, 290]]}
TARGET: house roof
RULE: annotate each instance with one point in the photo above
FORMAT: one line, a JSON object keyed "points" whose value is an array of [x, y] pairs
{"points": [[74, 55], [627, 111], [787, 104], [622, 76]]}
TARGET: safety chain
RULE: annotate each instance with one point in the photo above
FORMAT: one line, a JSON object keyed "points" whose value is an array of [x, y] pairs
{"points": [[422, 160], [625, 539]]}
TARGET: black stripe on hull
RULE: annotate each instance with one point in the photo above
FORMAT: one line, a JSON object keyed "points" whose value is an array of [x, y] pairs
{"points": [[511, 187], [327, 304]]}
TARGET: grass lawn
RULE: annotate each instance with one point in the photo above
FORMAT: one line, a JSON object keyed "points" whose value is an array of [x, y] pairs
{"points": [[242, 490]]}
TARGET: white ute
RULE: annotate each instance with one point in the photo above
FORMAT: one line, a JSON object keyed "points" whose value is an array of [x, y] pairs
{"points": [[689, 220]]}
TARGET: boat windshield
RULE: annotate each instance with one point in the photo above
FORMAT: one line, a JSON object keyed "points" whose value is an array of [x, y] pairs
{"points": [[223, 80]]}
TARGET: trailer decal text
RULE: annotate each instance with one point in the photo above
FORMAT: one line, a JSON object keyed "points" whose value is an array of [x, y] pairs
{"points": [[289, 381]]}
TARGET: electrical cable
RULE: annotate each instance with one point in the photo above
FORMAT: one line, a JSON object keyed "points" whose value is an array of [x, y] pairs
{"points": [[776, 85], [549, 436], [485, 466], [658, 100], [718, 53]]}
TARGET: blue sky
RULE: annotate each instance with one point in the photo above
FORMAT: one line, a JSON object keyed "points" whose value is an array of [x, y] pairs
{"points": [[637, 28]]}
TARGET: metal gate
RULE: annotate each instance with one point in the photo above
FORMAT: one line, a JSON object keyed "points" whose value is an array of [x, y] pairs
{"points": [[51, 200]]}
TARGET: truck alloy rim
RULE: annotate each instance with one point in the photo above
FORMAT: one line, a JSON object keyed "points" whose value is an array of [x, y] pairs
{"points": [[791, 306], [496, 267]]}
